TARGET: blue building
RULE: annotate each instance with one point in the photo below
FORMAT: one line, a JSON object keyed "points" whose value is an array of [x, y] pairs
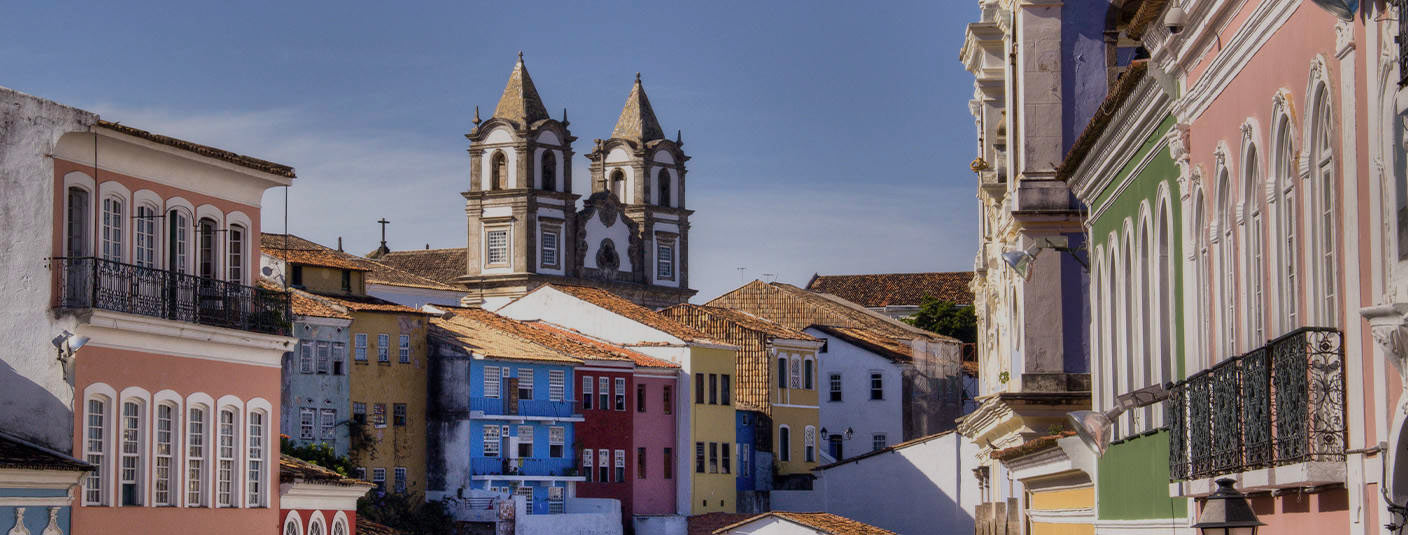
{"points": [[502, 412], [316, 388], [35, 487]]}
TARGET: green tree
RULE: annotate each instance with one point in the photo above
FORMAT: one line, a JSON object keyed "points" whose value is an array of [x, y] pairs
{"points": [[408, 513], [946, 318]]}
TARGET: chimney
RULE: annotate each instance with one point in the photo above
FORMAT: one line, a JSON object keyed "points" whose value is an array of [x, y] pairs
{"points": [[339, 244]]}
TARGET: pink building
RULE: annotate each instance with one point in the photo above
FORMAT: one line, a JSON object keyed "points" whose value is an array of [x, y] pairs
{"points": [[317, 501], [175, 392], [1287, 204], [653, 437]]}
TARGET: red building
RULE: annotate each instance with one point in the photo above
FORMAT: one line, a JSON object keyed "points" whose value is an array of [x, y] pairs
{"points": [[316, 501]]}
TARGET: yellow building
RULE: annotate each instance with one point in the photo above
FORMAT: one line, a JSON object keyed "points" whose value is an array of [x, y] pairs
{"points": [[388, 370], [777, 378], [1058, 495], [704, 404]]}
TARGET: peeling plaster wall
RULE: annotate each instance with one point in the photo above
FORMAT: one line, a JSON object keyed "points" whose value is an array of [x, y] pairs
{"points": [[36, 403]]}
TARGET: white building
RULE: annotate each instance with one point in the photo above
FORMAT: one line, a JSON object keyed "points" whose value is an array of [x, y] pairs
{"points": [[861, 397], [775, 523], [917, 487]]}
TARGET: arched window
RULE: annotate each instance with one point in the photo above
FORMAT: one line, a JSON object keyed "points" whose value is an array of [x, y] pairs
{"points": [[618, 185], [1127, 313], [498, 170], [548, 167], [1200, 276], [291, 524], [1251, 199], [662, 187], [179, 240], [1109, 345], [235, 253], [113, 215], [1285, 168], [1165, 291], [225, 459], [782, 372], [808, 368], [339, 526], [1147, 354], [146, 237], [196, 427], [96, 451], [205, 257], [1324, 224], [77, 222], [1226, 267], [254, 482], [315, 526], [809, 444], [164, 453], [130, 469]]}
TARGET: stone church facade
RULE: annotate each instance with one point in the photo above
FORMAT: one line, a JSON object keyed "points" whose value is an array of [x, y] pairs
{"points": [[524, 229]]}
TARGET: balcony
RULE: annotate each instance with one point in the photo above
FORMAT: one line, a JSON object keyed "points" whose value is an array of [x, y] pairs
{"points": [[1281, 405], [527, 468], [87, 282], [525, 408]]}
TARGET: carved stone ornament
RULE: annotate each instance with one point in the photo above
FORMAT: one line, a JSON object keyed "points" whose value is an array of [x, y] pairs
{"points": [[19, 528], [1178, 143], [1344, 37], [1247, 130], [1389, 325], [53, 527]]}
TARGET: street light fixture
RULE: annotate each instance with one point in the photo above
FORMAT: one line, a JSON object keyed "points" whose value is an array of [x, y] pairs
{"points": [[1020, 260], [1093, 427], [1227, 512]]}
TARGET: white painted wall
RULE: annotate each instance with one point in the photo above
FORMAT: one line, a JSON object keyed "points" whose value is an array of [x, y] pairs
{"points": [[414, 297], [856, 410], [917, 490], [661, 524], [554, 306], [772, 526], [618, 233], [36, 402]]}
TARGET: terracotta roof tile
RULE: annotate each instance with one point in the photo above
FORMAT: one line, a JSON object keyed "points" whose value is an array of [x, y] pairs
{"points": [[203, 150], [305, 304], [896, 288], [640, 314], [878, 343], [365, 303], [440, 265], [494, 336], [752, 335], [292, 469], [297, 250], [392, 276], [583, 346], [743, 319], [1148, 12], [17, 453], [798, 309], [821, 522], [706, 523]]}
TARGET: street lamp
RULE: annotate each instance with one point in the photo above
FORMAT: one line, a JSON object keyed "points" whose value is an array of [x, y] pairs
{"points": [[1094, 427], [1020, 260], [1227, 512]]}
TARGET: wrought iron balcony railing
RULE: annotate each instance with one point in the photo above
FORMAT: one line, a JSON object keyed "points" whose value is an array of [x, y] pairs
{"points": [[522, 466], [87, 282], [524, 407], [1280, 404]]}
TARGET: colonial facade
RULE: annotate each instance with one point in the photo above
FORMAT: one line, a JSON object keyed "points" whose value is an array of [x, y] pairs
{"points": [[134, 259], [524, 229]]}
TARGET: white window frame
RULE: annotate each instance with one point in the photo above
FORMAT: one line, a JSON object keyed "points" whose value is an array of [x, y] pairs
{"points": [[403, 349], [525, 438], [305, 356], [784, 443], [587, 391], [165, 434], [257, 426], [360, 341], [379, 479], [557, 436], [809, 444], [226, 458], [97, 414], [132, 446], [324, 357], [665, 259], [307, 422], [549, 249], [874, 376], [327, 424], [114, 211], [399, 482], [197, 449], [587, 463], [383, 349], [879, 441], [497, 246], [619, 463], [835, 394], [620, 398], [492, 441], [492, 384], [557, 385], [525, 383], [236, 239]]}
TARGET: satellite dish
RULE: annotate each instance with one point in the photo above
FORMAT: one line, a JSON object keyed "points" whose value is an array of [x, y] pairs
{"points": [[1344, 9]]}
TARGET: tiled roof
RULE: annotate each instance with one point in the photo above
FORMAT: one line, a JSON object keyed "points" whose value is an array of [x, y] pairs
{"points": [[1148, 12], [297, 250], [367, 527], [305, 304], [743, 319], [203, 150], [826, 523], [706, 523], [796, 308], [637, 313], [1029, 447], [19, 454], [365, 303], [896, 288], [583, 346], [637, 121], [392, 276], [440, 265], [293, 469], [493, 336], [885, 346], [752, 335]]}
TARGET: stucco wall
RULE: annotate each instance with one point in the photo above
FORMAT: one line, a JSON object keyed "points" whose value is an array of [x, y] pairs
{"points": [[414, 297], [654, 430], [910, 491], [856, 410], [36, 401], [1131, 487], [315, 390], [389, 383], [712, 492]]}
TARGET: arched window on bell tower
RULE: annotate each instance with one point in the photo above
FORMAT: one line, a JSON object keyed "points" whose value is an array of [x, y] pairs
{"points": [[548, 167], [618, 185], [662, 186], [498, 171]]}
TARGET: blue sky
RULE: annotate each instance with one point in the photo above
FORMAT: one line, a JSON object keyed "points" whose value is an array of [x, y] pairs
{"points": [[829, 137]]}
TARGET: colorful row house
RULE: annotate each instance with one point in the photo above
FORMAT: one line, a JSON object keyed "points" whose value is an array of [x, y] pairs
{"points": [[777, 385], [166, 378], [701, 458], [380, 357], [505, 413]]}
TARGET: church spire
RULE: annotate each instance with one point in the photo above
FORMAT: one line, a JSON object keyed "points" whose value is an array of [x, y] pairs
{"points": [[520, 101], [638, 120]]}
